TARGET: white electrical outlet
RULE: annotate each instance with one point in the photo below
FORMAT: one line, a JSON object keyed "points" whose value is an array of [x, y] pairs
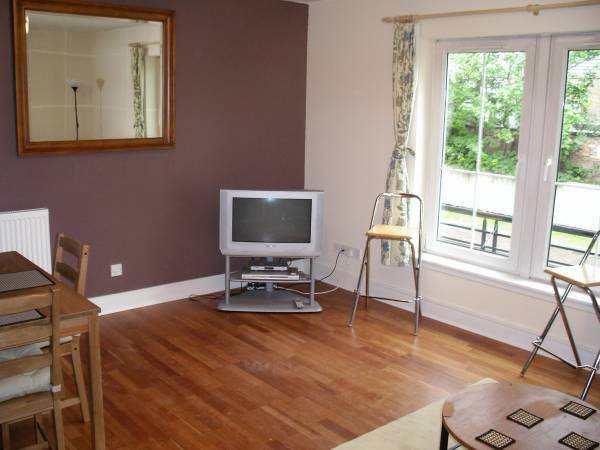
{"points": [[350, 252], [116, 270]]}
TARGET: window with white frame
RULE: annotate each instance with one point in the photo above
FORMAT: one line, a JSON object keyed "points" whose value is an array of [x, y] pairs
{"points": [[517, 183]]}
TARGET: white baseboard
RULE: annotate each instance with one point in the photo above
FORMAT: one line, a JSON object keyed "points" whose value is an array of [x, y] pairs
{"points": [[476, 322], [158, 294]]}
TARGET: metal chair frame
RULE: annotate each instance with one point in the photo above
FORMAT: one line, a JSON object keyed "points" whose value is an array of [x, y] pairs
{"points": [[560, 300], [415, 260]]}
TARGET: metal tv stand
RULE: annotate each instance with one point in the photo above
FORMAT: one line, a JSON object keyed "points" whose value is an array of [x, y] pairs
{"points": [[270, 299]]}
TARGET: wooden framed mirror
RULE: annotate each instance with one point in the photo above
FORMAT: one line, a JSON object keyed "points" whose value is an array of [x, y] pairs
{"points": [[93, 77]]}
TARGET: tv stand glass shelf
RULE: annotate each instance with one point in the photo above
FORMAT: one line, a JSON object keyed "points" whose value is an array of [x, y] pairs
{"points": [[270, 299]]}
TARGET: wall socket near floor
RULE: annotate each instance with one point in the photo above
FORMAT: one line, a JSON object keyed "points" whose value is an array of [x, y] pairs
{"points": [[350, 252], [116, 270]]}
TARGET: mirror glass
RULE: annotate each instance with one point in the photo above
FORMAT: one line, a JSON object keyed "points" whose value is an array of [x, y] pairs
{"points": [[93, 78]]}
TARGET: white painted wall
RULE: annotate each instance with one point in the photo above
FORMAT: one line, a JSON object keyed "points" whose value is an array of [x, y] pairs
{"points": [[52, 58], [349, 138]]}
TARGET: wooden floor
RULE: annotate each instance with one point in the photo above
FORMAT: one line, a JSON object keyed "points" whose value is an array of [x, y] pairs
{"points": [[182, 375]]}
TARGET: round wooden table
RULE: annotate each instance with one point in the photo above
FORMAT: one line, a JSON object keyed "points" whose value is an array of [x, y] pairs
{"points": [[479, 408]]}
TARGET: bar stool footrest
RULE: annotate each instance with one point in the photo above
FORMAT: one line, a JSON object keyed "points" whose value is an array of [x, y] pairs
{"points": [[377, 297], [537, 344]]}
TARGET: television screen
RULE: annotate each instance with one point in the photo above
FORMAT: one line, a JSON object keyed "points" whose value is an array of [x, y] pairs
{"points": [[285, 220]]}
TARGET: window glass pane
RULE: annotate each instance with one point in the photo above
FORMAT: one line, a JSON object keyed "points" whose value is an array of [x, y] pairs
{"points": [[577, 196], [483, 114], [502, 115], [576, 213], [486, 231], [456, 208], [463, 107]]}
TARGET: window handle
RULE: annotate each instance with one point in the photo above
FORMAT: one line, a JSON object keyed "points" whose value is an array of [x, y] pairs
{"points": [[547, 165], [517, 167]]}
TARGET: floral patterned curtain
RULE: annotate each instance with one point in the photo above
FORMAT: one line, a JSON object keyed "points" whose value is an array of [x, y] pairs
{"points": [[395, 212], [138, 53]]}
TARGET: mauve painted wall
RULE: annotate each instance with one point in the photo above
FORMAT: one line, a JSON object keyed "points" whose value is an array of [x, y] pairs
{"points": [[241, 92]]}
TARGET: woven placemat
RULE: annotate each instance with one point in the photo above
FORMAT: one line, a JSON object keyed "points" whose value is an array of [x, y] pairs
{"points": [[23, 280], [578, 442], [9, 319], [524, 418], [578, 410], [495, 439]]}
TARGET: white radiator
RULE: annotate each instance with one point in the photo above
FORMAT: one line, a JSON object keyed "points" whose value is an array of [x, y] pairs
{"points": [[27, 232]]}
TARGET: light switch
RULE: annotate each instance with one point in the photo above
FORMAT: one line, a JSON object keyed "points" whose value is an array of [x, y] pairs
{"points": [[116, 270]]}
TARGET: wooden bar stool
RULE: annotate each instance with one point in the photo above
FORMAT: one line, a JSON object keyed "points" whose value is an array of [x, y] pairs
{"points": [[584, 276], [412, 236]]}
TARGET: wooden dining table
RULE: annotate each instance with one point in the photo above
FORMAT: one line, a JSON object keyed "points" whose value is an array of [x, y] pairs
{"points": [[78, 315]]}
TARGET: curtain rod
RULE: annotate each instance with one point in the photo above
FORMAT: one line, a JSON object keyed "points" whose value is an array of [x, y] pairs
{"points": [[532, 8], [146, 43]]}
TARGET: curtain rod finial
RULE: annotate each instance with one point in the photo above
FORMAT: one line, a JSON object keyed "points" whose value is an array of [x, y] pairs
{"points": [[534, 9], [400, 19]]}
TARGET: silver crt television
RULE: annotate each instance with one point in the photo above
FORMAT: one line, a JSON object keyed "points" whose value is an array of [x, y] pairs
{"points": [[270, 223]]}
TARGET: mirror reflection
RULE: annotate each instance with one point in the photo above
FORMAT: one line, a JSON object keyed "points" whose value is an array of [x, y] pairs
{"points": [[93, 77]]}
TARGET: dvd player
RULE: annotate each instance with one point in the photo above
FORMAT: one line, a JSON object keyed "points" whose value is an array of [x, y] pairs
{"points": [[271, 268], [270, 275]]}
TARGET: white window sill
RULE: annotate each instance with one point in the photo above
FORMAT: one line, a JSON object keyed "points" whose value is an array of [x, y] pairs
{"points": [[491, 277]]}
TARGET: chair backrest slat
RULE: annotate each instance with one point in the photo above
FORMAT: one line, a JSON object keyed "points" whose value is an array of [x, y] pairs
{"points": [[70, 245], [66, 271], [25, 364], [75, 275]]}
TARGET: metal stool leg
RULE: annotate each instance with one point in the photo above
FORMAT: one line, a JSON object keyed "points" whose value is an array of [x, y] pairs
{"points": [[367, 271], [540, 339], [416, 278], [417, 315], [588, 384], [357, 292], [565, 321], [596, 367]]}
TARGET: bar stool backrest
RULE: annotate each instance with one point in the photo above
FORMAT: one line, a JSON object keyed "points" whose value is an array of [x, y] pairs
{"points": [[401, 196]]}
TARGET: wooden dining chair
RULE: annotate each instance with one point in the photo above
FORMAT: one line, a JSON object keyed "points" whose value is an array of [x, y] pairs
{"points": [[73, 270], [30, 379]]}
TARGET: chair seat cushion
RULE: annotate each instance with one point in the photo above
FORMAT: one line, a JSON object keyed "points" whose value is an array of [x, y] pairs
{"points": [[26, 383], [65, 339]]}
